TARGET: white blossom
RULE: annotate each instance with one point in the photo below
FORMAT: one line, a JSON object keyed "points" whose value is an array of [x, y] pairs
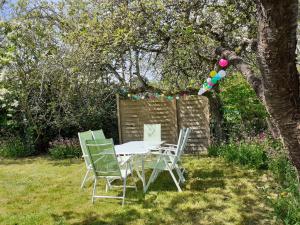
{"points": [[15, 103]]}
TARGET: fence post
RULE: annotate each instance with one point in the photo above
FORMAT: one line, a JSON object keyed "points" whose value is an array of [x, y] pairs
{"points": [[176, 119], [119, 118]]}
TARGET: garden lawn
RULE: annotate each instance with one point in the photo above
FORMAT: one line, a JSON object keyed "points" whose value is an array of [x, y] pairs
{"points": [[42, 191]]}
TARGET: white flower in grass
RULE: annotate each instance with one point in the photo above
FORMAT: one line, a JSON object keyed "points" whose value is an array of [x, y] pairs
{"points": [[9, 115], [3, 105], [15, 103], [3, 91]]}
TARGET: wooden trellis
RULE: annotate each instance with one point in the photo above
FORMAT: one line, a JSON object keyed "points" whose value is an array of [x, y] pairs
{"points": [[187, 111]]}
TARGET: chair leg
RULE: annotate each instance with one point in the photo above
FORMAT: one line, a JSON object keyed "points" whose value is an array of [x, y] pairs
{"points": [[151, 179], [175, 181], [180, 175], [94, 189], [85, 177], [173, 176], [124, 191], [131, 168], [156, 175], [108, 185]]}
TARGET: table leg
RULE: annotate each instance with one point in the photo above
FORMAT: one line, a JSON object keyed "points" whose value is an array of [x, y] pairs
{"points": [[143, 175]]}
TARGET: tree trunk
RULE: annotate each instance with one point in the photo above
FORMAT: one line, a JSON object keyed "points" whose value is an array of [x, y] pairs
{"points": [[217, 118], [273, 128], [277, 24]]}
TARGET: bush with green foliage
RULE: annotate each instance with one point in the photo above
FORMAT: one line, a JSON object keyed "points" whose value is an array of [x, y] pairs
{"points": [[254, 154], [287, 204], [15, 147], [249, 154], [244, 115], [65, 148]]}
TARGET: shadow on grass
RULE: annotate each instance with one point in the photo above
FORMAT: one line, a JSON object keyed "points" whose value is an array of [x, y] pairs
{"points": [[18, 161], [163, 182], [120, 217], [208, 174], [65, 162], [34, 159], [212, 191], [253, 213], [200, 185]]}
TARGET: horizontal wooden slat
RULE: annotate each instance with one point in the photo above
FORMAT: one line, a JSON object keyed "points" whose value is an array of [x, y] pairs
{"points": [[188, 111]]}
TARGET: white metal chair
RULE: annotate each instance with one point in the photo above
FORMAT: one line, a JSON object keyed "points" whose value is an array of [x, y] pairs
{"points": [[105, 165], [98, 135], [93, 135], [175, 148], [83, 137], [169, 159], [152, 133]]}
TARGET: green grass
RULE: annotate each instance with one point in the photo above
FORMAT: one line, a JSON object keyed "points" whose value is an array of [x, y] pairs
{"points": [[43, 191]]}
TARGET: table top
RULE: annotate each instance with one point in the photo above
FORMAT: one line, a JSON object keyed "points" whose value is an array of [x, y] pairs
{"points": [[136, 147]]}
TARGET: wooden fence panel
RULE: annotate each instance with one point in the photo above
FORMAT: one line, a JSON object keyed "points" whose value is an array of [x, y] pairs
{"points": [[188, 111], [193, 112]]}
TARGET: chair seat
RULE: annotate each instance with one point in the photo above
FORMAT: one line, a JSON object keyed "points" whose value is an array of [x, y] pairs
{"points": [[122, 159], [158, 165], [123, 173]]}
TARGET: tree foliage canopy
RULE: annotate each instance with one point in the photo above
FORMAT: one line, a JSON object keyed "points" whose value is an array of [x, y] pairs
{"points": [[62, 62]]}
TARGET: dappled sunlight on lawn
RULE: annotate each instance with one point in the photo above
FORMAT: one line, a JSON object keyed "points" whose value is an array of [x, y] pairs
{"points": [[43, 191]]}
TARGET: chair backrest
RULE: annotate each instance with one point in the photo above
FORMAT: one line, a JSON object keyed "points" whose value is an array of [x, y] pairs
{"points": [[152, 133], [184, 141], [180, 139], [103, 157], [83, 137], [98, 134], [184, 135]]}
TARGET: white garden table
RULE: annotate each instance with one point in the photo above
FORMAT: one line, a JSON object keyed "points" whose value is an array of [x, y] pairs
{"points": [[137, 148]]}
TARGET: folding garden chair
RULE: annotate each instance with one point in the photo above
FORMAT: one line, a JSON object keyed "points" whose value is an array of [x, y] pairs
{"points": [[105, 165], [83, 137], [152, 133], [173, 148], [168, 159], [98, 134], [92, 135]]}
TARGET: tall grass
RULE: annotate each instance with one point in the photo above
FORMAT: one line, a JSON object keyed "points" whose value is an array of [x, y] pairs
{"points": [[243, 153], [268, 155], [287, 203]]}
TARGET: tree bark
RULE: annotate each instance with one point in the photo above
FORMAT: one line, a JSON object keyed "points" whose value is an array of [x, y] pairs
{"points": [[137, 69], [273, 128], [277, 25], [217, 117]]}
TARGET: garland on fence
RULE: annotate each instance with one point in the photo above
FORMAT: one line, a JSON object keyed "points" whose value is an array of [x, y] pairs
{"points": [[153, 96], [213, 79]]}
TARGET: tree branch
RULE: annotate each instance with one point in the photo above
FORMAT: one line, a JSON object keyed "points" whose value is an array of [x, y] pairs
{"points": [[235, 60], [137, 68], [117, 75]]}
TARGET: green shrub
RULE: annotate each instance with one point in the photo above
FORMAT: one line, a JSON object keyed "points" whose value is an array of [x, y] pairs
{"points": [[284, 172], [65, 148], [287, 205], [287, 208], [230, 152], [253, 155], [15, 147], [213, 150], [243, 114], [250, 154]]}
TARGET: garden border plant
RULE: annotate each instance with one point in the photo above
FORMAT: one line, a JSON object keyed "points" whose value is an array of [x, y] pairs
{"points": [[268, 154]]}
